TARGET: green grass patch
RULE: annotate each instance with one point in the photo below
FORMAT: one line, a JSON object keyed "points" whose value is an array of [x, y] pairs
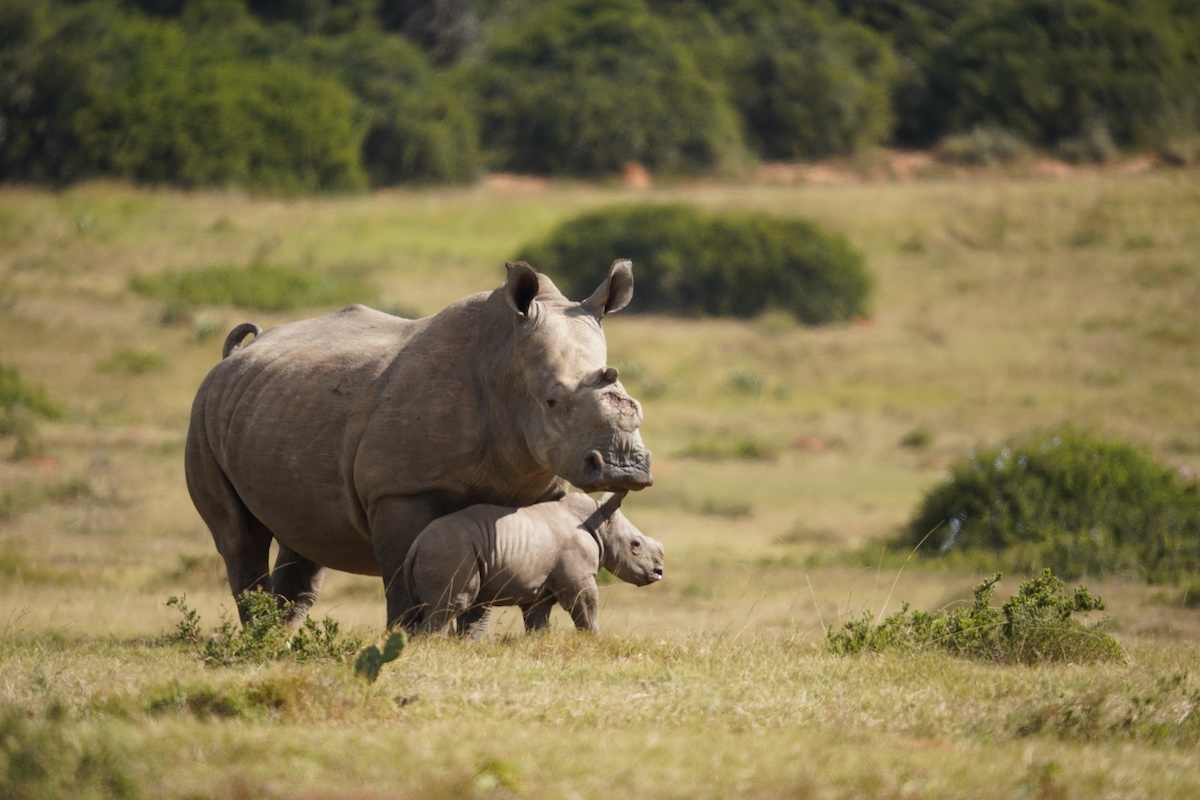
{"points": [[25, 497], [257, 286]]}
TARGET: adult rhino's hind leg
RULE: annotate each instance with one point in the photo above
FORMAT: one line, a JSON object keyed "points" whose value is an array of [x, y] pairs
{"points": [[297, 580], [243, 542]]}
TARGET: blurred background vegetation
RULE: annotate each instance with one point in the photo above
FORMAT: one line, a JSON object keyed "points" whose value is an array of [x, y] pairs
{"points": [[299, 96]]}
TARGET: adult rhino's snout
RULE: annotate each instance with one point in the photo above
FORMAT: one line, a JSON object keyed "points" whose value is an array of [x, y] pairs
{"points": [[613, 475]]}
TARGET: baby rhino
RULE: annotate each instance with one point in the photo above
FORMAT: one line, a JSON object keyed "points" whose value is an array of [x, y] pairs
{"points": [[532, 557]]}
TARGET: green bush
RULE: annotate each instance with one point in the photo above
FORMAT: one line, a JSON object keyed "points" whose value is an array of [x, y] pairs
{"points": [[1033, 626], [107, 92], [1064, 499], [808, 83], [1057, 71], [265, 636], [690, 262], [581, 87], [258, 285]]}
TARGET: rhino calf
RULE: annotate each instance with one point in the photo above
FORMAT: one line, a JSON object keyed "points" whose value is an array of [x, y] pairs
{"points": [[464, 563]]}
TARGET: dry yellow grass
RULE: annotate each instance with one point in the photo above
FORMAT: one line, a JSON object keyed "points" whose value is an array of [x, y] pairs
{"points": [[1002, 304]]}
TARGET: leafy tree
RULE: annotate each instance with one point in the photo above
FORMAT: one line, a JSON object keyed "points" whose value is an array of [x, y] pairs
{"points": [[1061, 70], [582, 86], [808, 84]]}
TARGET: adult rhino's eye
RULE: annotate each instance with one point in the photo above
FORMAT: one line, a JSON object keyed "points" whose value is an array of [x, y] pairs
{"points": [[551, 402]]}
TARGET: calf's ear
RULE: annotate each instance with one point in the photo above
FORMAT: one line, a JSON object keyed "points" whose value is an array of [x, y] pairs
{"points": [[520, 287], [611, 503], [616, 291]]}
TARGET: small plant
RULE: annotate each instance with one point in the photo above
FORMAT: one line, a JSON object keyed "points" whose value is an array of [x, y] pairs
{"points": [[1034, 626], [265, 635], [747, 381], [371, 659], [917, 439]]}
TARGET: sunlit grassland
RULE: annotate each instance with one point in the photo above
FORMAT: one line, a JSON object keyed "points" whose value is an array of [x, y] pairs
{"points": [[1001, 304]]}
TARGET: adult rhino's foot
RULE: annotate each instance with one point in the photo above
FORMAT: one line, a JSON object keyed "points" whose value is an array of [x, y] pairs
{"points": [[601, 475]]}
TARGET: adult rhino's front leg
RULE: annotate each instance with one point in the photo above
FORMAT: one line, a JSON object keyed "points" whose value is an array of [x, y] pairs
{"points": [[395, 524]]}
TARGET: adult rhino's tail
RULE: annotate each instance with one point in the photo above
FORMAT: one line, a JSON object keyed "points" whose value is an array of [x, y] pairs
{"points": [[236, 336]]}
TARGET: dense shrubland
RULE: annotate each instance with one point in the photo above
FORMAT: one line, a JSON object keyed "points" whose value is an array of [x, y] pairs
{"points": [[338, 95]]}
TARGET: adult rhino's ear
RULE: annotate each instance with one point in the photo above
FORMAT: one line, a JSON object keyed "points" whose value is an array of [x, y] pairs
{"points": [[616, 291], [520, 287]]}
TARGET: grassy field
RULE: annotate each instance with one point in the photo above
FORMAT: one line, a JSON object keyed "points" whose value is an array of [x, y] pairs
{"points": [[1003, 303]]}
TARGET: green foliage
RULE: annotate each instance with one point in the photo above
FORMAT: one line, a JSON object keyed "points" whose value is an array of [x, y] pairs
{"points": [[44, 758], [371, 659], [691, 262], [258, 285], [265, 635], [418, 125], [1065, 499], [1056, 71], [983, 145], [1035, 625], [20, 404], [581, 87], [807, 83]]}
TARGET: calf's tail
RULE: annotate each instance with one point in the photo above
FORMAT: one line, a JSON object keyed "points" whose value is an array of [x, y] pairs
{"points": [[236, 336]]}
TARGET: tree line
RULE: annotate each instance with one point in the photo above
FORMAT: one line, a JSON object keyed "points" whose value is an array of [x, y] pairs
{"points": [[296, 96]]}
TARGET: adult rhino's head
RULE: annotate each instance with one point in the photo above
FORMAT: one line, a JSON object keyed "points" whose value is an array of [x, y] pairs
{"points": [[578, 420]]}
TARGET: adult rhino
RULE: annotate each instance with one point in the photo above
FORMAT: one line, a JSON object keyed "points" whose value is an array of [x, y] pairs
{"points": [[342, 437]]}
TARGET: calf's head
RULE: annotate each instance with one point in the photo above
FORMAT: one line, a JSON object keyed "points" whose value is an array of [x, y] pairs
{"points": [[578, 420], [626, 552]]}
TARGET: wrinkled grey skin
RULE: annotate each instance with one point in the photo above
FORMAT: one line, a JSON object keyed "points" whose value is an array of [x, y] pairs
{"points": [[343, 436], [533, 557]]}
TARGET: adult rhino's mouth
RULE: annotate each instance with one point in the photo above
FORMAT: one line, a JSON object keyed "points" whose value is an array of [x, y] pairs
{"points": [[603, 475]]}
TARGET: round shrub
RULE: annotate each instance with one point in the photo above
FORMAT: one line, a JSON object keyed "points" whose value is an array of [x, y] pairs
{"points": [[690, 262], [1068, 500], [581, 87]]}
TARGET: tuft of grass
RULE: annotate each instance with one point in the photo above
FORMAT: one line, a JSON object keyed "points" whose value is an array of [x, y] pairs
{"points": [[1035, 625], [720, 447], [49, 758], [257, 286], [132, 361], [24, 497]]}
